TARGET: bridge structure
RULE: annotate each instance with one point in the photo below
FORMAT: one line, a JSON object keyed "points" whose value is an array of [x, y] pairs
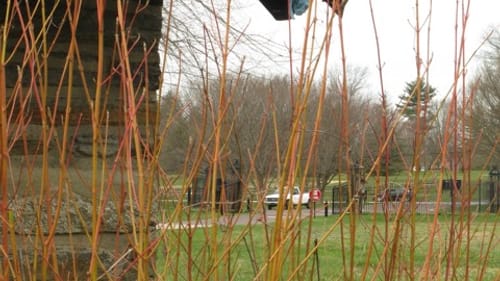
{"points": [[79, 106]]}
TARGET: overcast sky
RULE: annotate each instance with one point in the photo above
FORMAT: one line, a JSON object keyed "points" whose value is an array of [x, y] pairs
{"points": [[394, 20]]}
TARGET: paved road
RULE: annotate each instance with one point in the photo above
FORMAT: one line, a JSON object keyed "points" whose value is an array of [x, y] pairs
{"points": [[241, 218]]}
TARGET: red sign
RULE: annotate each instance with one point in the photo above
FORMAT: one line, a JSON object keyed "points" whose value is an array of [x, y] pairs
{"points": [[315, 195]]}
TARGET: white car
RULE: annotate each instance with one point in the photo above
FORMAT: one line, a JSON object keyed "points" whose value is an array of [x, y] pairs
{"points": [[272, 199]]}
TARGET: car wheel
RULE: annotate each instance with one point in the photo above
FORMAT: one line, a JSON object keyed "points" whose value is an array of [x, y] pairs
{"points": [[309, 204], [269, 207], [287, 204]]}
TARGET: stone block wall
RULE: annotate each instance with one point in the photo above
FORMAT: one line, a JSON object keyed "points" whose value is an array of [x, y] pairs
{"points": [[38, 68]]}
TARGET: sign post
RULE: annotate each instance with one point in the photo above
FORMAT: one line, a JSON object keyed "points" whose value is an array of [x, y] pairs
{"points": [[315, 196]]}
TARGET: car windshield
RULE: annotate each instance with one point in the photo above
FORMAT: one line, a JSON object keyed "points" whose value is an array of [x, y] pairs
{"points": [[276, 190]]}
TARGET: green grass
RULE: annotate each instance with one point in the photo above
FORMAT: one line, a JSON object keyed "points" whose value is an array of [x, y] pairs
{"points": [[431, 176], [173, 257]]}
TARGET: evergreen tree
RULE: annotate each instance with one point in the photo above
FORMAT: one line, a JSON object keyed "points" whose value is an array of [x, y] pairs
{"points": [[409, 99]]}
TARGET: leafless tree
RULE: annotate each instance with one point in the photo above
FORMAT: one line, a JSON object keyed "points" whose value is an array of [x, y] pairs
{"points": [[486, 108], [326, 167], [195, 31], [175, 132]]}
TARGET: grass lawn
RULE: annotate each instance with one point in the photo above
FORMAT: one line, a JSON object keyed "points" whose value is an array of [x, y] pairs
{"points": [[187, 253]]}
